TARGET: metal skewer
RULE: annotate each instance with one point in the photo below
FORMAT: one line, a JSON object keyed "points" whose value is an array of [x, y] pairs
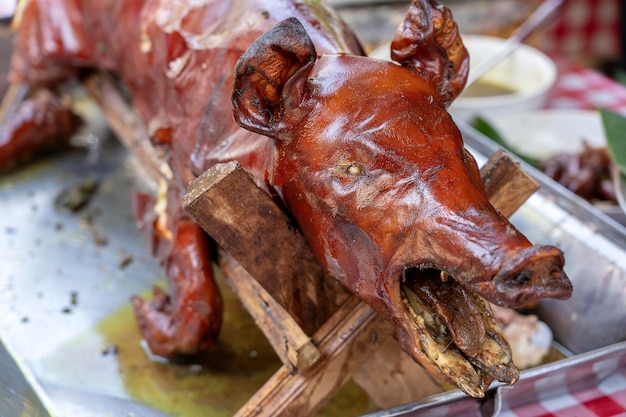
{"points": [[535, 20]]}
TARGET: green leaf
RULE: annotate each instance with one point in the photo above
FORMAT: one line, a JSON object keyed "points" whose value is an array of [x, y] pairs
{"points": [[620, 76], [484, 127], [615, 132]]}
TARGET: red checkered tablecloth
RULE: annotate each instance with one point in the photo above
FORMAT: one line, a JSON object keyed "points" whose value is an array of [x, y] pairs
{"points": [[578, 87], [588, 29], [607, 399]]}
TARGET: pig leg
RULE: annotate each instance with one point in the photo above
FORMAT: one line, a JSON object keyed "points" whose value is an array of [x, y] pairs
{"points": [[187, 321], [41, 123]]}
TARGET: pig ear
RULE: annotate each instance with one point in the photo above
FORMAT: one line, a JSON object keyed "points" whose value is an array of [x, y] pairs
{"points": [[429, 43], [270, 77]]}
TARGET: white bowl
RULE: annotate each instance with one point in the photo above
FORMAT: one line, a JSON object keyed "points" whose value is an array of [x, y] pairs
{"points": [[527, 73]]}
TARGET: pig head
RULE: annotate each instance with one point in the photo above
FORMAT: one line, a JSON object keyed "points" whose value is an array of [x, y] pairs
{"points": [[373, 168]]}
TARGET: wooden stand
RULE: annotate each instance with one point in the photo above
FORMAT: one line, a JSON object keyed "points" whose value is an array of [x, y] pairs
{"points": [[262, 245], [322, 334]]}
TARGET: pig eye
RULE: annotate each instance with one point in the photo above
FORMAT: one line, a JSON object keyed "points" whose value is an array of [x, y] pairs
{"points": [[354, 169], [350, 168]]}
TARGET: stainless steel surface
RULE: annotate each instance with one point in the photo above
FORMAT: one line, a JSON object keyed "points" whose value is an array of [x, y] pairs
{"points": [[619, 180], [63, 273], [83, 403], [20, 395], [595, 251]]}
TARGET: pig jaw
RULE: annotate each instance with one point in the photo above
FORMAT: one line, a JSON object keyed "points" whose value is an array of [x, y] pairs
{"points": [[506, 271], [516, 277], [468, 355]]}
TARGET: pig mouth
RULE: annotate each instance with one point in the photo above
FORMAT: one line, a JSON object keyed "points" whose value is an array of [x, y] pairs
{"points": [[453, 331]]}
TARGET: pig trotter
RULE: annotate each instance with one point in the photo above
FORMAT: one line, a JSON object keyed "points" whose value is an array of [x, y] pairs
{"points": [[42, 123], [189, 320]]}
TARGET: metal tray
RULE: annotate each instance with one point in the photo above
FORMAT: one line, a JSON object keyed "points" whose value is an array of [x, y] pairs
{"points": [[66, 279], [543, 383]]}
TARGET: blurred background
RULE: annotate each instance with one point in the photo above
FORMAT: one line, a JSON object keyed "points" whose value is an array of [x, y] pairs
{"points": [[583, 31]]}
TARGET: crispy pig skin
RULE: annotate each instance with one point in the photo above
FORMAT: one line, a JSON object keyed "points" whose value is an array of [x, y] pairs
{"points": [[363, 153], [43, 123]]}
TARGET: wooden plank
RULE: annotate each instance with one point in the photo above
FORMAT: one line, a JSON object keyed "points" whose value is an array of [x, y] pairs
{"points": [[126, 124], [347, 340], [15, 94], [245, 221], [391, 378], [506, 184], [294, 347]]}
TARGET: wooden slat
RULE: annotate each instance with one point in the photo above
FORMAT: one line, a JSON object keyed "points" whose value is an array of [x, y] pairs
{"points": [[294, 347], [245, 221], [126, 124], [506, 184], [347, 340], [391, 377], [15, 94]]}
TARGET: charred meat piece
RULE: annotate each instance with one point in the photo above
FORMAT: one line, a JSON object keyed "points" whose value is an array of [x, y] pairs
{"points": [[586, 173]]}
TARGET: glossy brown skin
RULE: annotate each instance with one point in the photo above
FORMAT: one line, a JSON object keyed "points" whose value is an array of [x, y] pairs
{"points": [[379, 181], [363, 152], [43, 123]]}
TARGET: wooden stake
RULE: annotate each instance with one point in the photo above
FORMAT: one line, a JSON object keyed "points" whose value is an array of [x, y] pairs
{"points": [[251, 227], [348, 339], [294, 348], [126, 123], [506, 184], [15, 94]]}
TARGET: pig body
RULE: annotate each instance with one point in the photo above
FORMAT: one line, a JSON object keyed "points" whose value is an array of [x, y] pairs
{"points": [[363, 153]]}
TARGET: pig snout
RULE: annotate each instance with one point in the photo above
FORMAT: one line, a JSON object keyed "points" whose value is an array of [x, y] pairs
{"points": [[481, 250], [534, 273], [492, 258]]}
